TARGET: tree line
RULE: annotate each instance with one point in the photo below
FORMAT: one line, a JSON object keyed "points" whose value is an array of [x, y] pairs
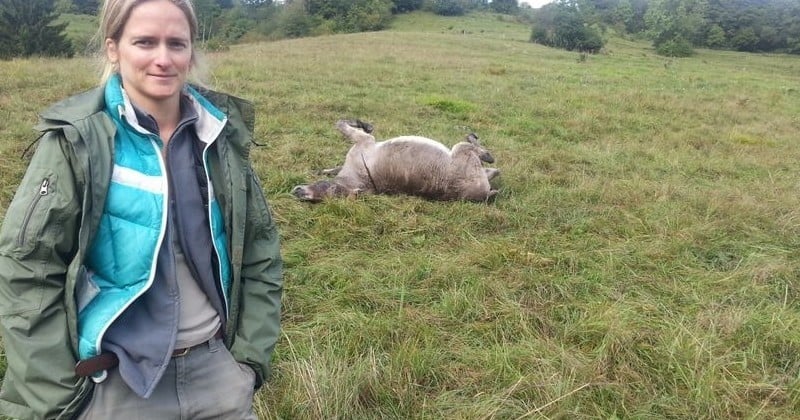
{"points": [[29, 27], [676, 27]]}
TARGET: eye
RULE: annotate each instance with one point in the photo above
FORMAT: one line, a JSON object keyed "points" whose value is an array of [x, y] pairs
{"points": [[177, 45], [144, 42]]}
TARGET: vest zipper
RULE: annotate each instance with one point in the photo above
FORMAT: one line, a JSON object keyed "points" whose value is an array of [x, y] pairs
{"points": [[44, 189]]}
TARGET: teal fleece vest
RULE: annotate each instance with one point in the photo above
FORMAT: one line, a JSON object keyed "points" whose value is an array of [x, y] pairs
{"points": [[122, 258]]}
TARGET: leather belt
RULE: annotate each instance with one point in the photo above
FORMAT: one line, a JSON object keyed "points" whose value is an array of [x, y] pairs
{"points": [[101, 362], [184, 351], [108, 360]]}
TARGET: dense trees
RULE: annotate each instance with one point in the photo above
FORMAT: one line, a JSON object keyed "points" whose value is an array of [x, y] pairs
{"points": [[676, 26], [27, 28], [448, 7], [403, 6], [351, 15], [86, 7], [509, 7]]}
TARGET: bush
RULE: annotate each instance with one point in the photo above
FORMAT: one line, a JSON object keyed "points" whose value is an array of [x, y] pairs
{"points": [[365, 15], [509, 7], [350, 15], [448, 7], [589, 41], [235, 29], [745, 40], [675, 47], [295, 21], [716, 37], [562, 26], [215, 45], [405, 6]]}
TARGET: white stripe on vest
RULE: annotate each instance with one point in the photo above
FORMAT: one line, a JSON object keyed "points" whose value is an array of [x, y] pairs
{"points": [[135, 179]]}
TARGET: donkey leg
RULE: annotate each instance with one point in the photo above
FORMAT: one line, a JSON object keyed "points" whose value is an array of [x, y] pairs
{"points": [[356, 135], [331, 171]]}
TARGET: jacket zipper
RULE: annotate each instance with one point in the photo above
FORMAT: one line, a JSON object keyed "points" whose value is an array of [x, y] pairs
{"points": [[214, 244], [44, 189]]}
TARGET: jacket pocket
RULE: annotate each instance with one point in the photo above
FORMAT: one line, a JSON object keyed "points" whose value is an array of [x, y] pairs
{"points": [[29, 213], [30, 223]]}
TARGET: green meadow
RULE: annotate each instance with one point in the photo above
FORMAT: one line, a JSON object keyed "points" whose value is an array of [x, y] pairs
{"points": [[641, 259]]}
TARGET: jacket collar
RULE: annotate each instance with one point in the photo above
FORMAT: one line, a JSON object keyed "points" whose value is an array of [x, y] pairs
{"points": [[89, 108], [73, 109], [210, 120]]}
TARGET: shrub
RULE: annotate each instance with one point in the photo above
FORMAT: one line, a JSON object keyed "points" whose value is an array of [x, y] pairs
{"points": [[405, 6], [365, 15], [589, 41], [509, 7], [562, 26], [675, 47], [448, 7], [716, 37], [745, 40], [295, 21], [215, 44]]}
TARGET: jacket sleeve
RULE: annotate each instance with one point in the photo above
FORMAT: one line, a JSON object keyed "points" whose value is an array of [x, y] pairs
{"points": [[262, 285], [37, 240]]}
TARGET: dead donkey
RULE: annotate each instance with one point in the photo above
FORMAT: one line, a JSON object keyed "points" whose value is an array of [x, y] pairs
{"points": [[410, 165]]}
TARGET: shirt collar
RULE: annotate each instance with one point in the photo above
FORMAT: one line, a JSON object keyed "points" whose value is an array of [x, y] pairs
{"points": [[146, 121]]}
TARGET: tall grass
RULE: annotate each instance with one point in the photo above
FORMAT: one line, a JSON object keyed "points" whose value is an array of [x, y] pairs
{"points": [[641, 260]]}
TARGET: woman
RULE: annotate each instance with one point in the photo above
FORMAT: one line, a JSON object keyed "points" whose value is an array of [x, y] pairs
{"points": [[140, 273]]}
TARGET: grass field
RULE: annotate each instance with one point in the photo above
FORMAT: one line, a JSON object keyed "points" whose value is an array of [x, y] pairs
{"points": [[641, 260]]}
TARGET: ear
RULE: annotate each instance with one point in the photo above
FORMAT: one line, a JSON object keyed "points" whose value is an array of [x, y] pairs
{"points": [[112, 53], [472, 138]]}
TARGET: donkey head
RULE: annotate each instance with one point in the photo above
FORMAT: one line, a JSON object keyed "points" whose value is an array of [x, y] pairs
{"points": [[479, 150]]}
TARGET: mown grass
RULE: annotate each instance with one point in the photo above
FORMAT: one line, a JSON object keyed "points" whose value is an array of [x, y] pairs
{"points": [[641, 260]]}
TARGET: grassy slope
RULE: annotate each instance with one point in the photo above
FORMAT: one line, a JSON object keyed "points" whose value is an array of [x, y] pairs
{"points": [[80, 30], [641, 259]]}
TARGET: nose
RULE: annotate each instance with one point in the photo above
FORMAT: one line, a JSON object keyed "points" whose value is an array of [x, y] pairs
{"points": [[299, 191], [162, 58]]}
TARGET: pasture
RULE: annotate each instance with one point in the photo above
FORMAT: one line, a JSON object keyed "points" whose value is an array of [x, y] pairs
{"points": [[640, 261]]}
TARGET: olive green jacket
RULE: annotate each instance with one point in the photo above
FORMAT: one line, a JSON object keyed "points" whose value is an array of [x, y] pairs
{"points": [[52, 220]]}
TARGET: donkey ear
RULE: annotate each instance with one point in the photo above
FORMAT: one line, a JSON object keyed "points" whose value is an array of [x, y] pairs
{"points": [[472, 138]]}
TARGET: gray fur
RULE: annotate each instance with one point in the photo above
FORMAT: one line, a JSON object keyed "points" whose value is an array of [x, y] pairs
{"points": [[405, 165]]}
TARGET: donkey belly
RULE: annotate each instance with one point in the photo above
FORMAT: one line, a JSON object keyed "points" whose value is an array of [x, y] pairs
{"points": [[409, 167], [411, 181]]}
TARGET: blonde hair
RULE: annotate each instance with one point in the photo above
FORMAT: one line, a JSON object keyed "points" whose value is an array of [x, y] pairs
{"points": [[114, 16]]}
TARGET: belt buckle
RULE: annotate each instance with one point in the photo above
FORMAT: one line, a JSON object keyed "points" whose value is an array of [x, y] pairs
{"points": [[182, 352]]}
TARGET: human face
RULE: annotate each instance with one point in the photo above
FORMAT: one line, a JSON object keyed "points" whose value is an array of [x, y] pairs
{"points": [[154, 55]]}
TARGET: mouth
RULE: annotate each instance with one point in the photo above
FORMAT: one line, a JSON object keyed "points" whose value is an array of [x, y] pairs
{"points": [[302, 193]]}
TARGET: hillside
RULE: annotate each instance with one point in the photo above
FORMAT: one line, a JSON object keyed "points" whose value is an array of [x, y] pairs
{"points": [[640, 261]]}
